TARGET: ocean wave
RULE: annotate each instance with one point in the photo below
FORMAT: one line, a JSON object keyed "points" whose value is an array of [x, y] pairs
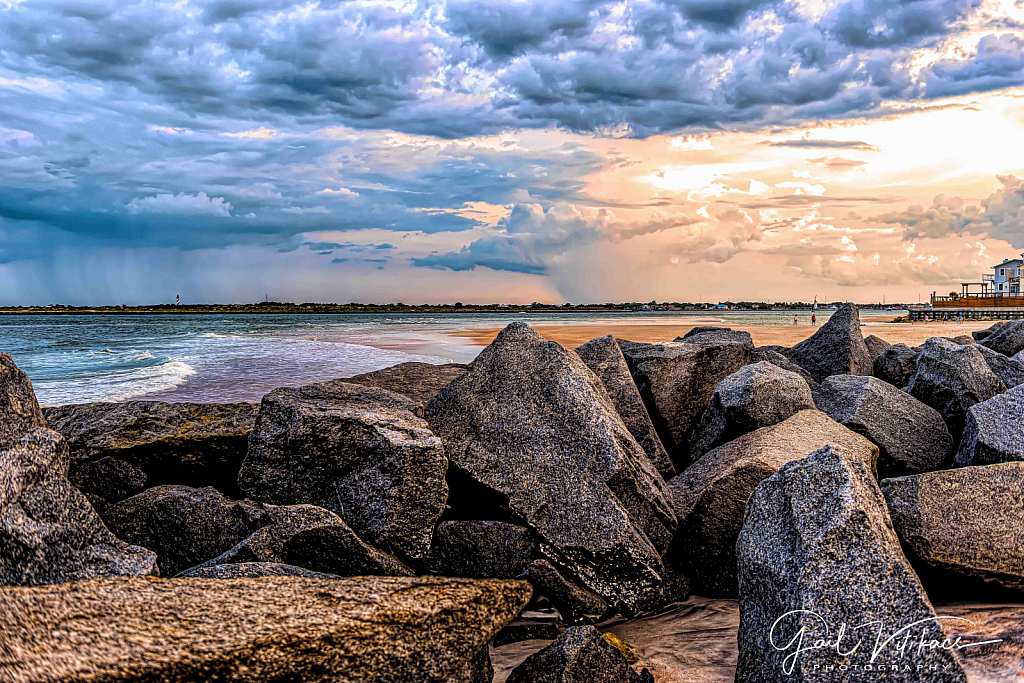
{"points": [[117, 385]]}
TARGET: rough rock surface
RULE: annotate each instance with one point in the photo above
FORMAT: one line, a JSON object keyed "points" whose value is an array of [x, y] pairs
{"points": [[355, 450], [418, 381], [533, 426], [19, 409], [107, 480], [1007, 340], [363, 629], [896, 365], [1009, 370], [755, 396], [978, 335], [581, 653], [837, 348], [951, 379], [716, 335], [575, 603], [993, 431], [876, 346], [49, 533], [710, 496], [192, 444], [482, 549], [911, 437], [604, 357], [817, 537], [963, 339], [962, 523], [250, 570], [184, 526], [676, 381], [764, 353]]}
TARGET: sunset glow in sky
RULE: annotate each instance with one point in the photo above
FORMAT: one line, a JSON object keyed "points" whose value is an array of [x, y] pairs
{"points": [[508, 150]]}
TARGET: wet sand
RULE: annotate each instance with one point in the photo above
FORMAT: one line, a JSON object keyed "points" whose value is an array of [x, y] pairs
{"points": [[572, 336]]}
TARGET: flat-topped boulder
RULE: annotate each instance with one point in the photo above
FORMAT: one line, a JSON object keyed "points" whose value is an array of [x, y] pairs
{"points": [[911, 436], [708, 334], [1007, 340], [19, 409], [755, 396], [818, 552], [710, 496], [604, 358], [532, 427], [951, 378], [418, 381], [963, 529], [676, 381], [482, 549], [993, 431], [1009, 370], [836, 348], [876, 346], [192, 444], [896, 365], [49, 533], [352, 630], [580, 653], [356, 450], [250, 570]]}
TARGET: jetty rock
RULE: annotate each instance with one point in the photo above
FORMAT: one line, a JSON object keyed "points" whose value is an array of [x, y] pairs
{"points": [[911, 436], [755, 396], [978, 335], [993, 431], [676, 381], [707, 334], [19, 409], [580, 653], [418, 381], [575, 604], [710, 496], [951, 378], [250, 570], [49, 533], [1009, 370], [876, 346], [192, 444], [351, 630], [356, 450], [769, 354], [963, 529], [1007, 340], [604, 358], [531, 426], [482, 549], [896, 365], [837, 348], [818, 552]]}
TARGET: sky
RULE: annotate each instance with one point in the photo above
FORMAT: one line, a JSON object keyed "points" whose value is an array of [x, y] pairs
{"points": [[507, 150]]}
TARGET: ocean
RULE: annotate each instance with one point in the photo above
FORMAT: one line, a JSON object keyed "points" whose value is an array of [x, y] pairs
{"points": [[223, 358]]}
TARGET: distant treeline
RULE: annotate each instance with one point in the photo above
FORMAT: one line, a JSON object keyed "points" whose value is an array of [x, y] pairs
{"points": [[457, 307]]}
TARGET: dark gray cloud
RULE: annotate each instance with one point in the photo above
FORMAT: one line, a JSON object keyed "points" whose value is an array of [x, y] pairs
{"points": [[825, 144]]}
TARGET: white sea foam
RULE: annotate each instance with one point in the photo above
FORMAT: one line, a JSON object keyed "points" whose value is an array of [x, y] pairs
{"points": [[119, 385]]}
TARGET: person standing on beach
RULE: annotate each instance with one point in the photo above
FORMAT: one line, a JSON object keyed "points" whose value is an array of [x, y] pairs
{"points": [[814, 319], [794, 320]]}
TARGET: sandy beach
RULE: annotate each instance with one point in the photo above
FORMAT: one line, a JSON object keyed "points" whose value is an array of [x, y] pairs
{"points": [[785, 335]]}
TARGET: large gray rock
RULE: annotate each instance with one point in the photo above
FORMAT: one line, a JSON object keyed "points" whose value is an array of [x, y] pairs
{"points": [[1009, 370], [818, 552], [755, 396], [575, 603], [876, 346], [963, 529], [250, 570], [708, 334], [605, 359], [184, 526], [482, 549], [351, 630], [19, 409], [676, 381], [951, 378], [530, 425], [710, 496], [581, 654], [310, 537], [978, 335], [49, 533], [837, 348], [993, 431], [896, 365], [1007, 340], [764, 353], [418, 381], [911, 437], [192, 444], [358, 451]]}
